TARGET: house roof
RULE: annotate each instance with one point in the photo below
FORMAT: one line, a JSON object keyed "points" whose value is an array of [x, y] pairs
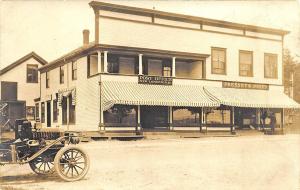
{"points": [[184, 18], [22, 60], [66, 57]]}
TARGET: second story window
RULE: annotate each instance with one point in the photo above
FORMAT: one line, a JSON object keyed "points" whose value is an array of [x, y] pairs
{"points": [[113, 64], [61, 74], [166, 71], [32, 74], [74, 70], [218, 61], [271, 69], [246, 63], [92, 64], [47, 79]]}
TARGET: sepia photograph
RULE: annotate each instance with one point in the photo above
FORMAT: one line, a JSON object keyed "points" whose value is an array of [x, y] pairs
{"points": [[149, 94]]}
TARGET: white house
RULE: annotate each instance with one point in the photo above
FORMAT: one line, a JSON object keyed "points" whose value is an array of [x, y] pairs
{"points": [[154, 70], [20, 85]]}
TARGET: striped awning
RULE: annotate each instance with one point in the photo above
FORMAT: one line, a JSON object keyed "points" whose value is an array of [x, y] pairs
{"points": [[65, 93], [130, 93], [251, 98]]}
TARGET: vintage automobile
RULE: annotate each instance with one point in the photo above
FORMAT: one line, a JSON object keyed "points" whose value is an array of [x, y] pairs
{"points": [[46, 151]]}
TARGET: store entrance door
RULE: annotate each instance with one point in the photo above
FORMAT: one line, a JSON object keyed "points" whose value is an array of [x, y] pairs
{"points": [[48, 114], [154, 118]]}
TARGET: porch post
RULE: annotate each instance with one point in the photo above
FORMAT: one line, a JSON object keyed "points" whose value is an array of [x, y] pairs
{"points": [[201, 119], [173, 67], [282, 119], [232, 121], [171, 118], [138, 126], [257, 118], [101, 120], [140, 64], [99, 62], [105, 62]]}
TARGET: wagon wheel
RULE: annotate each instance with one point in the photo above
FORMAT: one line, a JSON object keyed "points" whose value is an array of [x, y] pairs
{"points": [[71, 163], [43, 164]]}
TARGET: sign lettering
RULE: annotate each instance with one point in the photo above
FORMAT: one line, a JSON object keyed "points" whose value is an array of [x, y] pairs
{"points": [[244, 85], [158, 80]]}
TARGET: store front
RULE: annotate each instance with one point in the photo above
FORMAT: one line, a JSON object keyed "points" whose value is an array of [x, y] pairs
{"points": [[155, 118], [157, 107]]}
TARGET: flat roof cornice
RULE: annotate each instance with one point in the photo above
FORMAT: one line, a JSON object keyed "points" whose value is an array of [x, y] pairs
{"points": [[184, 18]]}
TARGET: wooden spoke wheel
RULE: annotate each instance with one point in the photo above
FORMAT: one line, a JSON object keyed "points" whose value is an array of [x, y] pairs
{"points": [[43, 164], [71, 163]]}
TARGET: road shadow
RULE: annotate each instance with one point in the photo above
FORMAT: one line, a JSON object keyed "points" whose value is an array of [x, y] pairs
{"points": [[27, 179]]}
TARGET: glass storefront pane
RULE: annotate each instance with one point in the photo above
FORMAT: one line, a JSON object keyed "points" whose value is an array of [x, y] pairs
{"points": [[186, 116], [120, 115]]}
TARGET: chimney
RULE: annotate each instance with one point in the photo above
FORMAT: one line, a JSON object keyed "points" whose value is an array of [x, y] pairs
{"points": [[86, 34]]}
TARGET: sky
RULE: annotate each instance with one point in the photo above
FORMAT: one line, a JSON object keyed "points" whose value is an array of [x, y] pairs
{"points": [[53, 28]]}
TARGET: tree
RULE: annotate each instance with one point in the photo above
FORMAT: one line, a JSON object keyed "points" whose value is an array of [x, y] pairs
{"points": [[289, 65]]}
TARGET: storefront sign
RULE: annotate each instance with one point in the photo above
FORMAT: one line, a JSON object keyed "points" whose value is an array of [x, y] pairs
{"points": [[143, 79], [244, 85]]}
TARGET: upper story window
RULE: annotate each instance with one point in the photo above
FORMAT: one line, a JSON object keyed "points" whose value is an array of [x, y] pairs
{"points": [[32, 74], [271, 69], [113, 63], [157, 67], [92, 65], [218, 61], [192, 69], [167, 71], [61, 74], [246, 63], [47, 79], [74, 70], [122, 64]]}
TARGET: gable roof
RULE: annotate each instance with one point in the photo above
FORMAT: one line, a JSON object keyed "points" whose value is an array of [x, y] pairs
{"points": [[22, 60]]}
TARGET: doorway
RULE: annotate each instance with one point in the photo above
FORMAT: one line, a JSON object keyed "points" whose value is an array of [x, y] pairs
{"points": [[154, 118], [48, 113]]}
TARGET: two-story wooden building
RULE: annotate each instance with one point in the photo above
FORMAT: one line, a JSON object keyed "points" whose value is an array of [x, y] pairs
{"points": [[19, 86], [155, 70]]}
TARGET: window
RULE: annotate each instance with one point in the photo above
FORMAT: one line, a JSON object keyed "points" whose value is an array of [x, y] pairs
{"points": [[43, 112], [128, 65], [47, 79], [37, 112], [9, 91], [92, 65], [74, 70], [72, 118], [246, 63], [186, 117], [32, 73], [166, 71], [61, 74], [55, 113], [271, 65], [218, 116], [120, 115], [64, 110], [218, 61], [189, 69], [30, 112], [112, 64]]}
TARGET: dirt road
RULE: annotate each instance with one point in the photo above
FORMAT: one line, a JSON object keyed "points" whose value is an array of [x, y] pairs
{"points": [[251, 162]]}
